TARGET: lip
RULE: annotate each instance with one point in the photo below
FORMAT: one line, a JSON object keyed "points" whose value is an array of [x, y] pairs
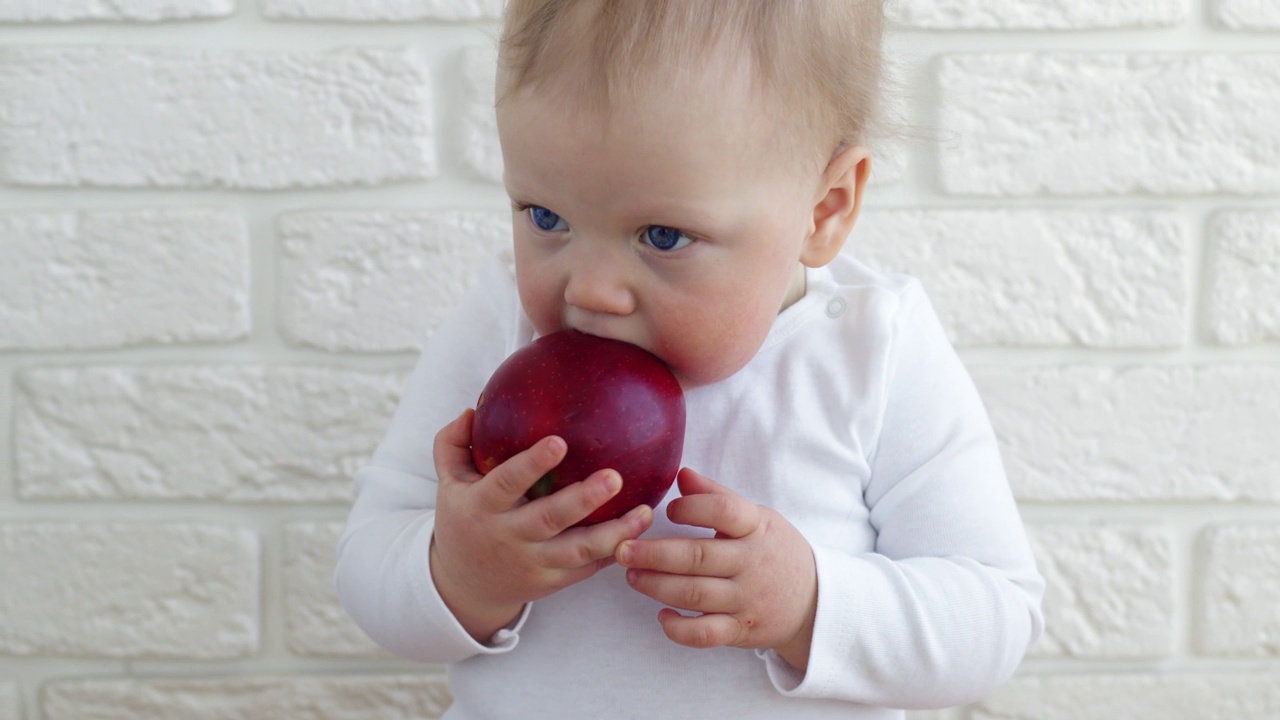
{"points": [[592, 326]]}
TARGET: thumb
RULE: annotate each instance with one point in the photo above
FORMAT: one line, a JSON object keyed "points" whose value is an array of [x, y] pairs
{"points": [[452, 449]]}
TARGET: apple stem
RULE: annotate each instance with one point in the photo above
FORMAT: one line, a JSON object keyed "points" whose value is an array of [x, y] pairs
{"points": [[543, 487]]}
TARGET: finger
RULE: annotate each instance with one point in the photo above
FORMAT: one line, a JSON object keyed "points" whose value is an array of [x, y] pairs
{"points": [[707, 504], [682, 556], [702, 631], [508, 482], [699, 594], [551, 515], [596, 544], [452, 449]]}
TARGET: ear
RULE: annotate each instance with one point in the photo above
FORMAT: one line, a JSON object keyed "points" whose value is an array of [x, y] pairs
{"points": [[836, 206]]}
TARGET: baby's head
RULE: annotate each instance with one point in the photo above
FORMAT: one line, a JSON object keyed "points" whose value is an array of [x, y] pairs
{"points": [[674, 164]]}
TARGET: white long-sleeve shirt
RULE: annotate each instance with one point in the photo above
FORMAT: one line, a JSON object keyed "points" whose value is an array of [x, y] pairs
{"points": [[855, 420]]}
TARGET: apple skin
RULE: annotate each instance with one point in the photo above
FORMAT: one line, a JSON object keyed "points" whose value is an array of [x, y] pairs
{"points": [[615, 405]]}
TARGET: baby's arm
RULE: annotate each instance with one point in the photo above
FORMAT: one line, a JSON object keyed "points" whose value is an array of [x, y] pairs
{"points": [[436, 601], [946, 607], [940, 614]]}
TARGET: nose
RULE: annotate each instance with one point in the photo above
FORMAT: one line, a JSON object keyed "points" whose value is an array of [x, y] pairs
{"points": [[600, 280]]}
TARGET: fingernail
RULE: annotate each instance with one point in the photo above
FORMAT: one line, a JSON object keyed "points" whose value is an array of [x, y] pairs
{"points": [[632, 575], [612, 482], [555, 445], [625, 555]]}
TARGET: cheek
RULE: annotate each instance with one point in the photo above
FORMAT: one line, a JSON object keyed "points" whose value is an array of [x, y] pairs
{"points": [[718, 339], [538, 295]]}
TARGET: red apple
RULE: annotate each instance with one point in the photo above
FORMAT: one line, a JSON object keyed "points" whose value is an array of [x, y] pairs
{"points": [[615, 405]]}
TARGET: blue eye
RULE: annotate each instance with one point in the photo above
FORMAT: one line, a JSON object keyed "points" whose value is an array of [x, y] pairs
{"points": [[666, 238], [547, 220]]}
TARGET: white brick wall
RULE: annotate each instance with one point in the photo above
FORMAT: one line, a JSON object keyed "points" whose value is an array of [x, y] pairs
{"points": [[10, 701], [1111, 123], [110, 278], [1244, 264], [140, 10], [225, 228], [1239, 613], [128, 590]]}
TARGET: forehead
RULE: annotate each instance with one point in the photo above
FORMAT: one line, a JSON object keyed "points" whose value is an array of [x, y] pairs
{"points": [[696, 115]]}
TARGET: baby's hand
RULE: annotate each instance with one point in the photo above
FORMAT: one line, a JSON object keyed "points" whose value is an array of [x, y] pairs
{"points": [[755, 583], [492, 552]]}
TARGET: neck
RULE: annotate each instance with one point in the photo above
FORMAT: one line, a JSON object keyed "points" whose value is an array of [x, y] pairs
{"points": [[795, 290]]}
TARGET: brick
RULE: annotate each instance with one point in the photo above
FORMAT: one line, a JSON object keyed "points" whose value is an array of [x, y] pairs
{"points": [[128, 590], [1137, 433], [1056, 278], [479, 127], [1243, 270], [331, 697], [1247, 14], [227, 433], [10, 701], [1172, 696], [111, 278], [1064, 124], [1110, 590], [315, 623], [379, 281], [382, 10], [177, 117], [1238, 614], [1035, 14], [20, 11]]}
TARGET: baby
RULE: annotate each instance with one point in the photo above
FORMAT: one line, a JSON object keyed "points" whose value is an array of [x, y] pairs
{"points": [[843, 543]]}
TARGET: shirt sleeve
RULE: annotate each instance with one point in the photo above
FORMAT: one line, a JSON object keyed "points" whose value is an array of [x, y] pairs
{"points": [[945, 608], [383, 576]]}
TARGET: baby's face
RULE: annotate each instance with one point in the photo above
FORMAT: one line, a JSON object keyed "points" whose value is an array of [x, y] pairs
{"points": [[676, 223]]}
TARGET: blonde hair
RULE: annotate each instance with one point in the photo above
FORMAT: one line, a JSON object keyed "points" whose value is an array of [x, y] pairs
{"points": [[821, 58]]}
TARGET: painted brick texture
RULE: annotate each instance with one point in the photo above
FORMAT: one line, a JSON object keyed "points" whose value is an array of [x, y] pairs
{"points": [[165, 117], [1247, 14], [1239, 615], [16, 11], [1041, 278], [1108, 123], [1142, 433], [111, 278], [1134, 696], [1035, 14], [382, 10], [10, 701], [234, 433], [1244, 277], [316, 624], [227, 227], [1110, 590], [128, 590], [371, 281]]}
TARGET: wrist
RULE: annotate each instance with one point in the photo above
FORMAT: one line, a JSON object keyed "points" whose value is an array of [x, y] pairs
{"points": [[796, 649], [477, 615]]}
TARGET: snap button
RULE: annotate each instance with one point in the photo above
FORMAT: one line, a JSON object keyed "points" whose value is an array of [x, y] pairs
{"points": [[835, 308]]}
